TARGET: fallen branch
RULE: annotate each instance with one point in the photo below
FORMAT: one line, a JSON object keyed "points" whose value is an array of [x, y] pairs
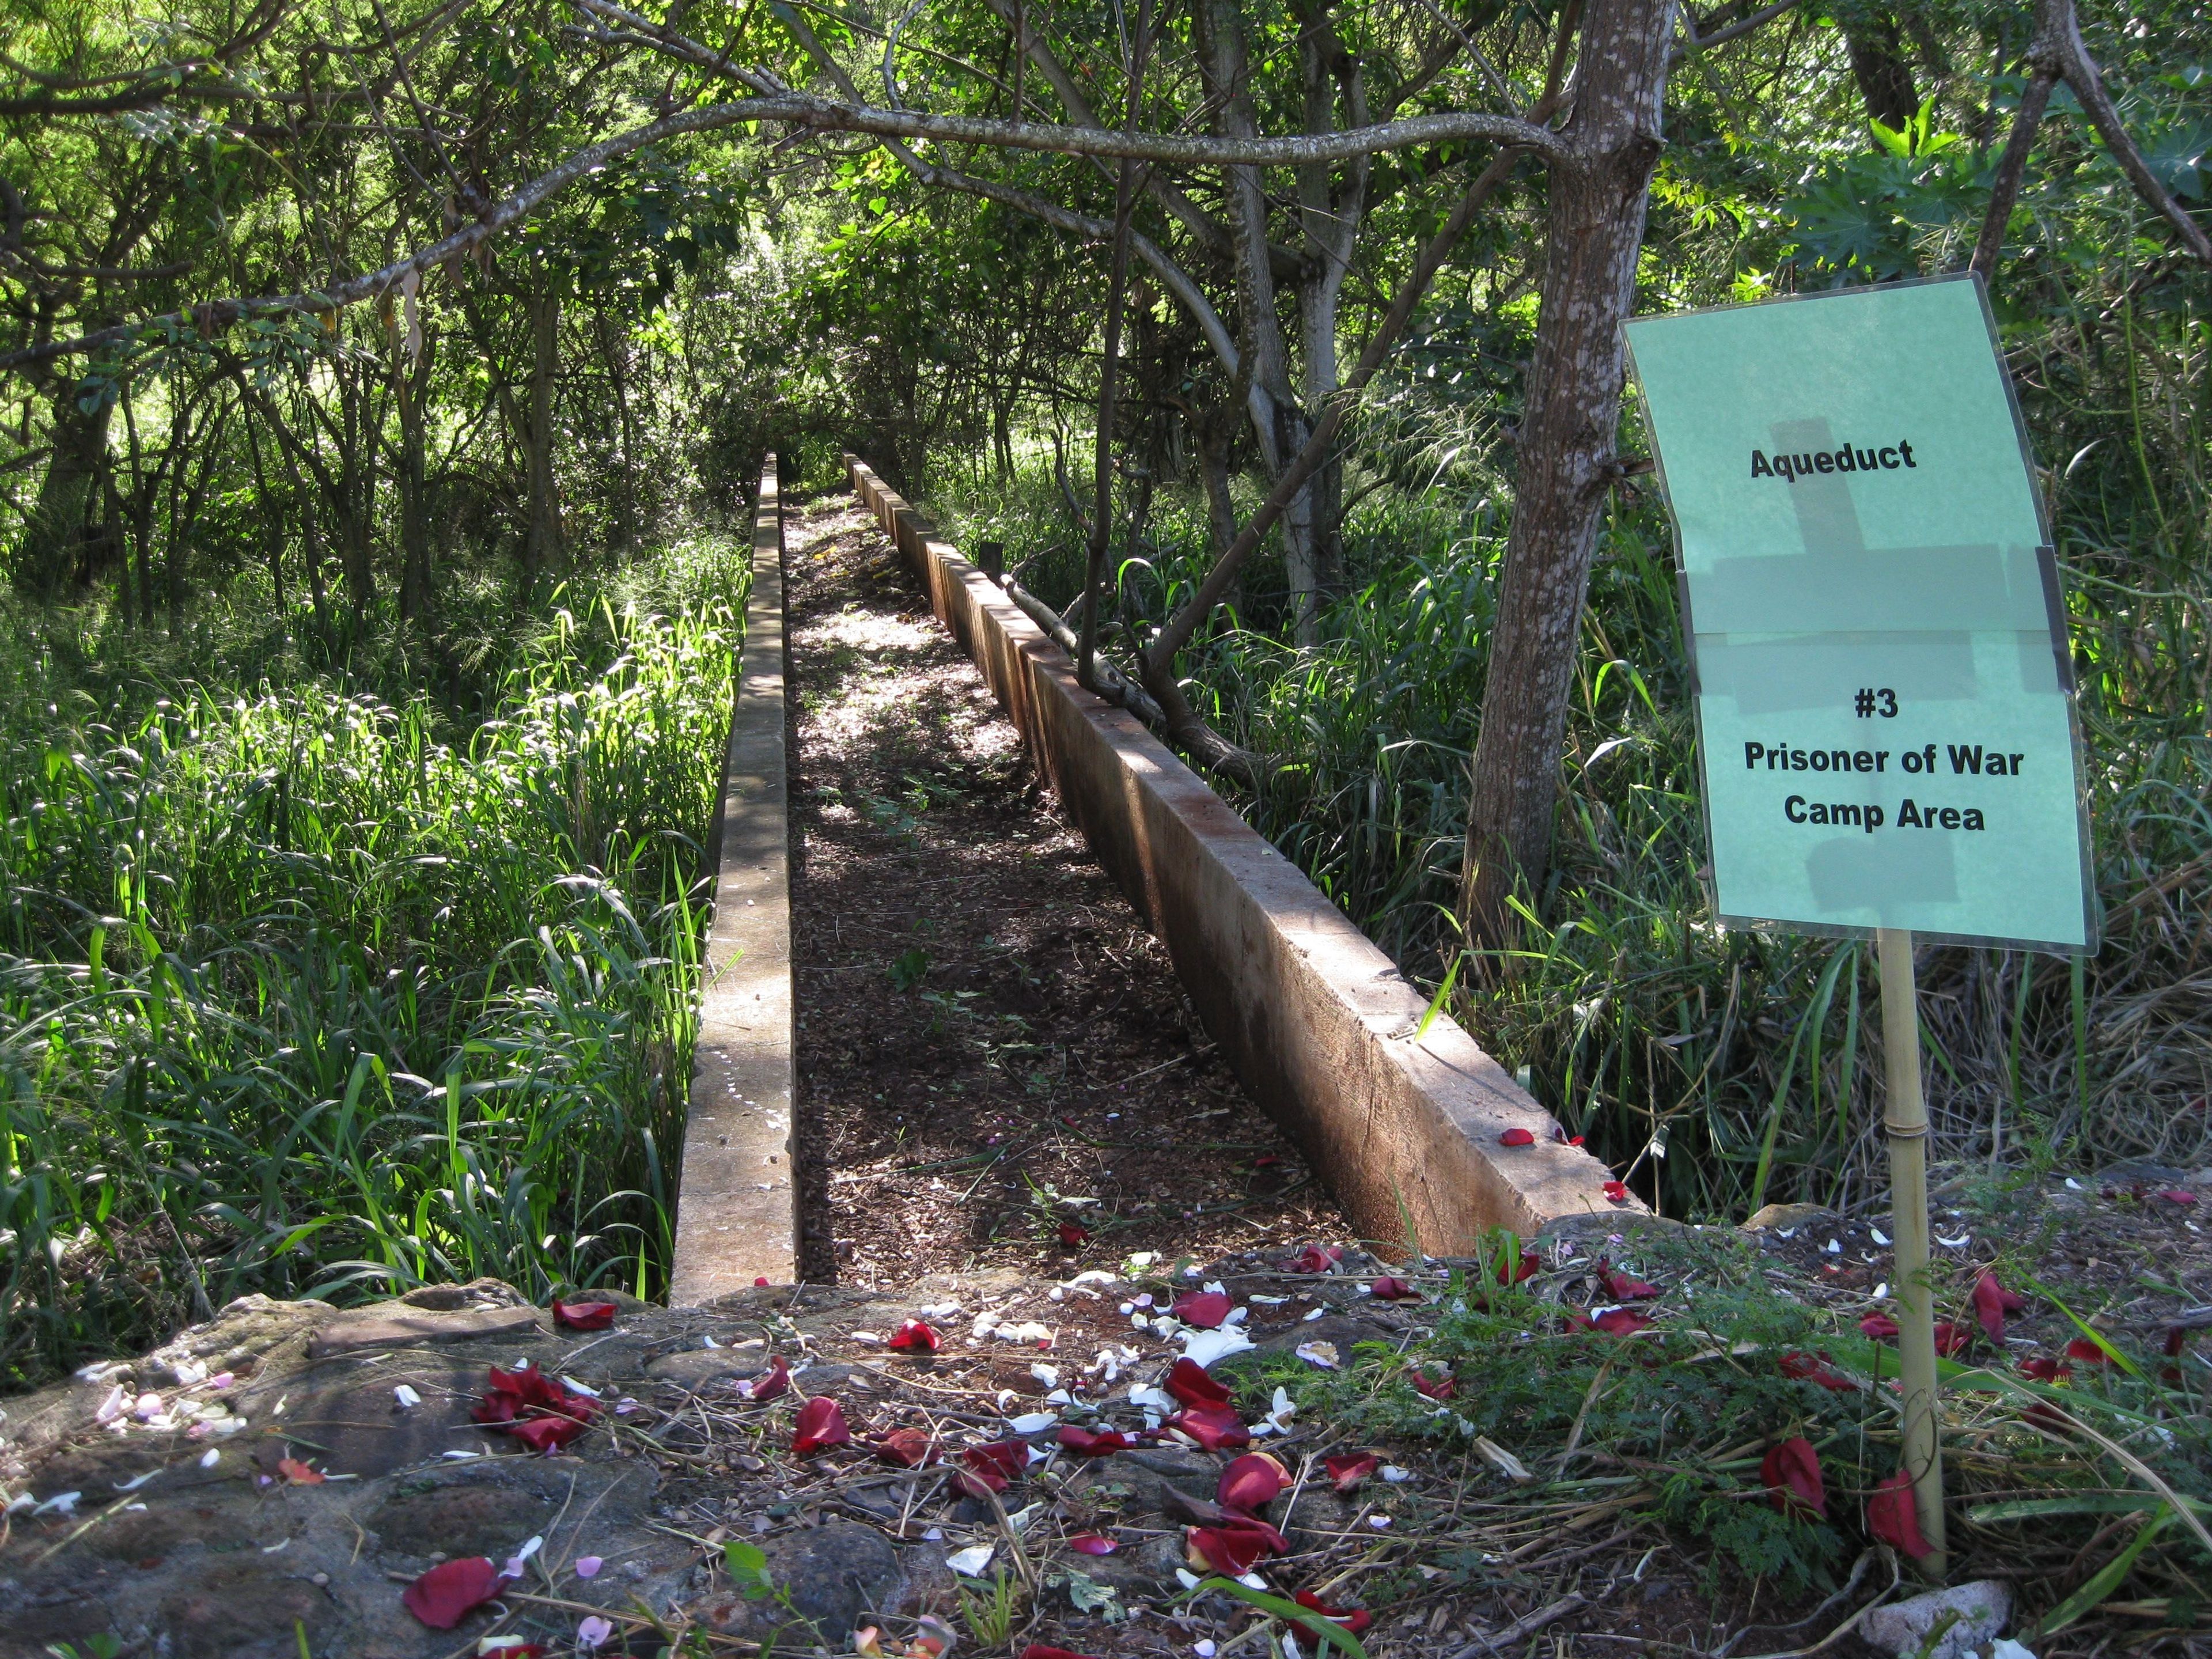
{"points": [[1528, 1624]]}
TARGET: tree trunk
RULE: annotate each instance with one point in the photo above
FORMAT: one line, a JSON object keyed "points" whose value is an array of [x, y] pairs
{"points": [[1594, 230], [67, 494], [414, 515], [543, 547], [1878, 65], [272, 522]]}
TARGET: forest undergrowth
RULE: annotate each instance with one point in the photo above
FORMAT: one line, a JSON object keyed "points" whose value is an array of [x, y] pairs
{"points": [[1717, 1070], [333, 975]]}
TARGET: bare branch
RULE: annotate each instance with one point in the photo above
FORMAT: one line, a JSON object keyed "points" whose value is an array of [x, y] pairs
{"points": [[2012, 167]]}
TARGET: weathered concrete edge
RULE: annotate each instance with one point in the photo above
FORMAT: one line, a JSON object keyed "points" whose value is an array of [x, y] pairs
{"points": [[737, 1217], [1403, 1124]]}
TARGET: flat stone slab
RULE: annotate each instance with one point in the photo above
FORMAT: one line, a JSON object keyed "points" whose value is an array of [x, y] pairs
{"points": [[404, 1327]]}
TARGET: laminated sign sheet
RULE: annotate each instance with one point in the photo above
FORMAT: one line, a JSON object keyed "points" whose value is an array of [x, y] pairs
{"points": [[1885, 705]]}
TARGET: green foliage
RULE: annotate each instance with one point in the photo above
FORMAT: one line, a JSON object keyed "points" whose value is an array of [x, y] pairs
{"points": [[302, 997]]}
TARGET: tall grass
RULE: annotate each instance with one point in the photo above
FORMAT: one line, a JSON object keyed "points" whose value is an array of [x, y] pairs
{"points": [[1722, 1070], [309, 991]]}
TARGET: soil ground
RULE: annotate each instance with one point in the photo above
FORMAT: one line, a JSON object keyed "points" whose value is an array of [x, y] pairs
{"points": [[991, 1045]]}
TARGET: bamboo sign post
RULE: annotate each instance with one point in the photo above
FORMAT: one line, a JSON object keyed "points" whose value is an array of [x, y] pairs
{"points": [[1905, 1119], [1886, 729]]}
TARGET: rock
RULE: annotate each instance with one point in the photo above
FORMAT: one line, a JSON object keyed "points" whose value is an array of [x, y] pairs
{"points": [[238, 1340], [244, 1610], [477, 1293], [1979, 1612], [389, 1327], [830, 1576], [1789, 1217], [1342, 1329], [694, 1368], [473, 1515]]}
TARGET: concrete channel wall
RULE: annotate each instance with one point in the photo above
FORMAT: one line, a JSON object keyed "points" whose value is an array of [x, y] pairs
{"points": [[1403, 1124], [737, 1214]]}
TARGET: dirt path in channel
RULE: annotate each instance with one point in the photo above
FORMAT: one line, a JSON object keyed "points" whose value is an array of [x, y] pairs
{"points": [[991, 1045]]}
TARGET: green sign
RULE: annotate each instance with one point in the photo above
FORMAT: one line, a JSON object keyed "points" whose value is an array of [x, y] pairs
{"points": [[1885, 704]]}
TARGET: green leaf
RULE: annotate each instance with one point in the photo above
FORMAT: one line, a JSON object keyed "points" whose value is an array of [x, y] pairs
{"points": [[1324, 1631], [2106, 1581]]}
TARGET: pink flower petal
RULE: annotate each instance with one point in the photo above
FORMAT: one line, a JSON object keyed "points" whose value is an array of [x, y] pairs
{"points": [[587, 1567], [1093, 1543]]}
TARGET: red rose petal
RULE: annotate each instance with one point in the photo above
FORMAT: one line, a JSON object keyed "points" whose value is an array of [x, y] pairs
{"points": [[1354, 1619], [1621, 1321], [1892, 1518], [298, 1473], [1435, 1387], [1624, 1287], [1071, 1235], [1516, 1138], [583, 1315], [821, 1423], [1216, 1428], [1992, 1302], [2178, 1195], [1616, 1192], [1530, 1264], [771, 1383], [1093, 1543], [1230, 1551], [1952, 1339], [1792, 1474], [549, 1431], [1251, 1482], [2088, 1352], [1387, 1289], [1881, 1327], [1204, 1309], [1039, 1650], [2044, 1369], [1000, 1461], [907, 1448], [1804, 1368], [1189, 1382], [1095, 1442], [1346, 1473], [451, 1591], [1314, 1259], [915, 1334]]}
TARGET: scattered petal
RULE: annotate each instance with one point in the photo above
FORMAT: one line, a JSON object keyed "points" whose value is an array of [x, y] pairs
{"points": [[821, 1423], [1215, 1428], [1892, 1518], [592, 1633], [298, 1473], [583, 1315], [408, 1399], [1516, 1138], [1354, 1621], [1806, 1368], [1314, 1259], [1395, 1289], [771, 1383], [909, 1447], [1209, 1347], [2178, 1195], [969, 1562], [1033, 1422], [1346, 1473], [587, 1567], [1434, 1388], [1089, 1442], [1622, 1286], [1792, 1474], [1187, 1382], [1322, 1354], [915, 1336], [1205, 1309], [2089, 1351], [1952, 1339], [1072, 1235], [1878, 1326], [1616, 1192], [451, 1591], [1992, 1302], [2044, 1369], [1251, 1482], [1621, 1321], [1092, 1543]]}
